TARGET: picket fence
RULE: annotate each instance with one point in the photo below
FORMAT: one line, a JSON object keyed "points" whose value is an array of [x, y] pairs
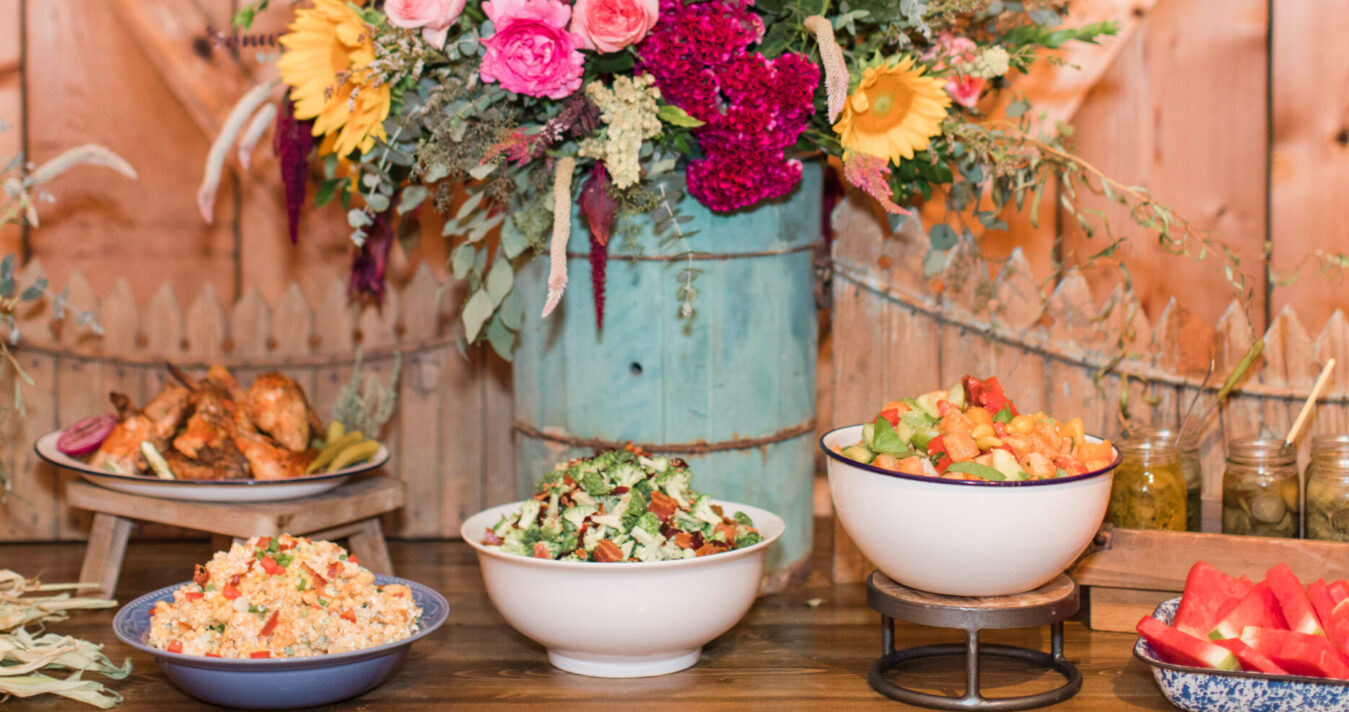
{"points": [[449, 437], [894, 335]]}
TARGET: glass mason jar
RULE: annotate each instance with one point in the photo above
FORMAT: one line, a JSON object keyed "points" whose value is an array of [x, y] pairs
{"points": [[1327, 496], [1149, 490], [1260, 489], [1187, 451]]}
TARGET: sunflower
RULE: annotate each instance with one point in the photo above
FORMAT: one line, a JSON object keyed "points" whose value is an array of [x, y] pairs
{"points": [[893, 112], [327, 51]]}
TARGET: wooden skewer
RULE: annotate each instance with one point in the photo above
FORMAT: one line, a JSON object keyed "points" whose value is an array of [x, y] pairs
{"points": [[1311, 400]]}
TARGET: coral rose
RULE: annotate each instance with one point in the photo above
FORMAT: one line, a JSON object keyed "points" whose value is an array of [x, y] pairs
{"points": [[434, 17], [532, 52], [611, 25]]}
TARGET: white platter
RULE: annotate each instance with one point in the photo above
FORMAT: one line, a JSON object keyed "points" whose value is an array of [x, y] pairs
{"points": [[206, 490]]}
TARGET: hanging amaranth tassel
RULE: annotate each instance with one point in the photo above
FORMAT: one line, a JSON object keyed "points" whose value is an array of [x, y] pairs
{"points": [[599, 259], [600, 210], [557, 250]]}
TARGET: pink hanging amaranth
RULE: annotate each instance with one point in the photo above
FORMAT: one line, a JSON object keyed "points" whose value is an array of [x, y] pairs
{"points": [[600, 210], [371, 260], [753, 108], [292, 140]]}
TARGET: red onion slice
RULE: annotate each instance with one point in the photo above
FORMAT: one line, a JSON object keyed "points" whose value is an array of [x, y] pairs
{"points": [[85, 436]]}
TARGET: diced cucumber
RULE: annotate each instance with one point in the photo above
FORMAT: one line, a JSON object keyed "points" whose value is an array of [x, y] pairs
{"points": [[905, 430], [919, 419], [860, 453], [869, 433], [928, 402], [957, 397], [1006, 463]]}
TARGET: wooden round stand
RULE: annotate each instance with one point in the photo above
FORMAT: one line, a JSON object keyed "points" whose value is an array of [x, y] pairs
{"points": [[1050, 604]]}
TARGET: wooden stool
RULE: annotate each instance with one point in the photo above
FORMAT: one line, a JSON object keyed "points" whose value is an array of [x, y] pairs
{"points": [[1048, 605], [351, 511]]}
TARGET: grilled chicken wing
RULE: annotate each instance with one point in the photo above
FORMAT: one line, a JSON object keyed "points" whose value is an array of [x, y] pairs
{"points": [[277, 405], [269, 462], [121, 450]]}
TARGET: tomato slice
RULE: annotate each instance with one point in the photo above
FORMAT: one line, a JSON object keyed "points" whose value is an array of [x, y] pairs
{"points": [[270, 625], [175, 646], [348, 615], [937, 446]]}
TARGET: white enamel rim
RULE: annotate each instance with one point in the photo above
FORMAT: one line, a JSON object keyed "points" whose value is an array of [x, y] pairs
{"points": [[494, 514]]}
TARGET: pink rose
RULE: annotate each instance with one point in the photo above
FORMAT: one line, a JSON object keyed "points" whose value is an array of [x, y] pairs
{"points": [[611, 25], [434, 17], [532, 52], [963, 90]]}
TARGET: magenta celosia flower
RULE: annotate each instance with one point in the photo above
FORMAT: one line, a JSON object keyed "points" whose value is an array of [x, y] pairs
{"points": [[753, 108], [532, 52]]}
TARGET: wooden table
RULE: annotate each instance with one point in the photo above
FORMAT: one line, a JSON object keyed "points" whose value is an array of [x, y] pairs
{"points": [[784, 656]]}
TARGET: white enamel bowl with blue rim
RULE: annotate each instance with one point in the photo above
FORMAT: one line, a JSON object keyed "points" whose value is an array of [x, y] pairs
{"points": [[964, 537], [1203, 690], [278, 683], [207, 490], [623, 619]]}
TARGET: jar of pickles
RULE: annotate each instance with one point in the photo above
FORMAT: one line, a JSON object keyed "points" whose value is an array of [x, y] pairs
{"points": [[1327, 496], [1260, 489], [1148, 491], [1187, 452]]}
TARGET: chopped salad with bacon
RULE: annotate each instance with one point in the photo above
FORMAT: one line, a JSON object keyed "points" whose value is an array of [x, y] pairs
{"points": [[974, 432], [621, 505]]}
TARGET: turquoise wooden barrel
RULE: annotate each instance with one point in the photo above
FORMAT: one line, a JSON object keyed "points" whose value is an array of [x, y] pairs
{"points": [[731, 391]]}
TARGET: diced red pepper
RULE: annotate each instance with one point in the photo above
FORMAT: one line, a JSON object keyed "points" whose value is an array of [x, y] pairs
{"points": [[260, 654], [271, 567], [175, 646], [892, 415], [353, 560], [937, 446], [988, 394], [662, 505], [270, 625], [334, 569], [229, 592], [264, 542], [192, 595], [541, 551], [348, 615]]}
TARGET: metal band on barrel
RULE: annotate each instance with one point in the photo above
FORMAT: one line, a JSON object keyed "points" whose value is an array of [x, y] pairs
{"points": [[695, 448]]}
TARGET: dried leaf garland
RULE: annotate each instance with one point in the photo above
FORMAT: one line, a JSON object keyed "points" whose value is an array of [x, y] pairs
{"points": [[215, 159], [835, 67], [292, 141], [557, 252]]}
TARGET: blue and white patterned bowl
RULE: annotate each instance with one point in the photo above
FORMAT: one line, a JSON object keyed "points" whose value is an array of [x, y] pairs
{"points": [[278, 683], [1205, 690]]}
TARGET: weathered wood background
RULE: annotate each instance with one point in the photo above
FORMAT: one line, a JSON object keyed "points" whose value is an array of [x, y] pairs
{"points": [[1181, 103]]}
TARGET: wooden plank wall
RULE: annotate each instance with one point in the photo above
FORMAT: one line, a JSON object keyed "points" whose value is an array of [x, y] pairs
{"points": [[445, 437]]}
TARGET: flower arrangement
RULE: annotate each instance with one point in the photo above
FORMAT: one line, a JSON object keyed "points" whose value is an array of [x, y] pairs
{"points": [[508, 109]]}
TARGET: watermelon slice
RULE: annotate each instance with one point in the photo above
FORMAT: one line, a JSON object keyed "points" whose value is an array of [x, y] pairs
{"points": [[1259, 608], [1319, 594], [1251, 659], [1208, 593], [1298, 653], [1339, 591], [1184, 649], [1337, 628], [1293, 602]]}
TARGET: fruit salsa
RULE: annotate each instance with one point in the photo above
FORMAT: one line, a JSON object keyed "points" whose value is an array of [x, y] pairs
{"points": [[974, 432], [620, 505]]}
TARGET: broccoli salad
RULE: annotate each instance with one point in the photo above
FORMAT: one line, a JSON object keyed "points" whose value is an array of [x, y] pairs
{"points": [[620, 505]]}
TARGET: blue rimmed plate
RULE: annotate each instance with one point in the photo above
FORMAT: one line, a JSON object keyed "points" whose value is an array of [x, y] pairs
{"points": [[1205, 690], [278, 683]]}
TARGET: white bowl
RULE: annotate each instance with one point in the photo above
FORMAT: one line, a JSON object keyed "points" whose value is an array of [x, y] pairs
{"points": [[632, 619], [962, 537]]}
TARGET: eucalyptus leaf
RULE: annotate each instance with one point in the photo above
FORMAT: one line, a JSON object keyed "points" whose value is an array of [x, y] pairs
{"points": [[469, 206], [413, 196], [461, 260], [513, 310], [477, 311], [513, 242], [500, 280], [942, 237], [501, 338], [377, 202]]}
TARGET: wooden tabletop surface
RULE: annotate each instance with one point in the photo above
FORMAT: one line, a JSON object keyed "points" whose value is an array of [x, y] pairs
{"points": [[785, 655]]}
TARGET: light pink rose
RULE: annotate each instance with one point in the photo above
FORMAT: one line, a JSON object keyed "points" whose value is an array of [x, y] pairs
{"points": [[963, 90], [532, 52], [611, 25], [434, 17]]}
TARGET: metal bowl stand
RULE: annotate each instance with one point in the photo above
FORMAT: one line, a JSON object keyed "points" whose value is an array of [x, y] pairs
{"points": [[1048, 605]]}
